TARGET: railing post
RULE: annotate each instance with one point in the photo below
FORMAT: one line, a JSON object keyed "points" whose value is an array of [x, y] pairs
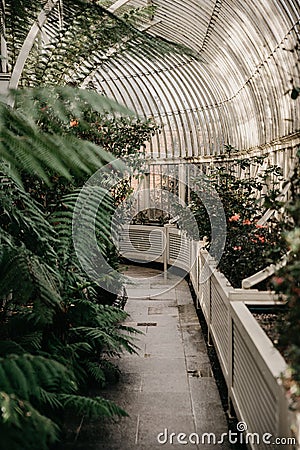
{"points": [[166, 249], [230, 361], [209, 342], [211, 266]]}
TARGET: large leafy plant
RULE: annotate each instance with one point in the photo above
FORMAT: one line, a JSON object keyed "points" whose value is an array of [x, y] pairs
{"points": [[55, 336], [55, 332], [287, 282], [249, 246]]}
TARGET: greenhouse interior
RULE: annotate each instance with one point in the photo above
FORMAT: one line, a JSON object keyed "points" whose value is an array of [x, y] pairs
{"points": [[150, 224]]}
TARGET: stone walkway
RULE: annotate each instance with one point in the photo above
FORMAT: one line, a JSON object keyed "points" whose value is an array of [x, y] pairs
{"points": [[169, 387]]}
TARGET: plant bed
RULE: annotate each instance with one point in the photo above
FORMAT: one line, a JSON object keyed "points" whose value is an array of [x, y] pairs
{"points": [[270, 319]]}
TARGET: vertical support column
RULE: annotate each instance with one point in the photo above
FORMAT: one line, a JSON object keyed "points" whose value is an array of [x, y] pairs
{"points": [[61, 14], [198, 262], [4, 75], [144, 194], [182, 182], [4, 85], [209, 342], [4, 66]]}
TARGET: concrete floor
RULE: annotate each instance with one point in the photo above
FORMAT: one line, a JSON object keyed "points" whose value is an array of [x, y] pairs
{"points": [[169, 385]]}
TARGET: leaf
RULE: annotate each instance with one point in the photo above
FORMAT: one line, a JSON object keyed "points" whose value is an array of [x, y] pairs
{"points": [[91, 407]]}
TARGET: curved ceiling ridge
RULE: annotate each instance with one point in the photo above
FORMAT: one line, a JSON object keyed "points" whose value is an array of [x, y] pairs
{"points": [[245, 69], [232, 91]]}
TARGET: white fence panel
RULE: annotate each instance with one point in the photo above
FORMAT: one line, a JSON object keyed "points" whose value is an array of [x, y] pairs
{"points": [[256, 391], [250, 363], [142, 243]]}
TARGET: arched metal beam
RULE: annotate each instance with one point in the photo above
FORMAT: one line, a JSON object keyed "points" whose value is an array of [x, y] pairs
{"points": [[27, 46]]}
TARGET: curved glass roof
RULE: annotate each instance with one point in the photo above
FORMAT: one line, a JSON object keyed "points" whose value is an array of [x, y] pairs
{"points": [[233, 88], [235, 93]]}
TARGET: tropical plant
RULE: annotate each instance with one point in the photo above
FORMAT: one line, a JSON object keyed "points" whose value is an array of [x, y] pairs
{"points": [[72, 38], [249, 246], [286, 281], [55, 333]]}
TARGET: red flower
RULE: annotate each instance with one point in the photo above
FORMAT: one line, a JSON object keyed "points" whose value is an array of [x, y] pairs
{"points": [[246, 222], [278, 280], [234, 218], [237, 247], [74, 123], [261, 239]]}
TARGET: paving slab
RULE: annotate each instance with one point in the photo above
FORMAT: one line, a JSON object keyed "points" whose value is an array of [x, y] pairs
{"points": [[167, 389]]}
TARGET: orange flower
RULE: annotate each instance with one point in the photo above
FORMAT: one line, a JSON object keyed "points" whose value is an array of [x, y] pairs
{"points": [[262, 239], [74, 123], [234, 218], [278, 280], [237, 247], [261, 226], [246, 222]]}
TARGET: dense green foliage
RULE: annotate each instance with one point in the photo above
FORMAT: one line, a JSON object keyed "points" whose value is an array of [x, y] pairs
{"points": [[287, 281], [81, 37], [249, 246], [56, 331]]}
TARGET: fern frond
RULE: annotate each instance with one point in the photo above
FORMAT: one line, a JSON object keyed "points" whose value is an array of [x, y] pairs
{"points": [[18, 17], [20, 424], [9, 347], [24, 220], [31, 342], [25, 375], [92, 407], [24, 146], [96, 334], [110, 340], [88, 34], [95, 370], [63, 103], [31, 281], [49, 398]]}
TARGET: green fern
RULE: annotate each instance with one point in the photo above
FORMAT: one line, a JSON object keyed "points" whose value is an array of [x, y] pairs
{"points": [[32, 341], [24, 375], [96, 372], [23, 219], [24, 146], [35, 287], [88, 30], [92, 407], [20, 424]]}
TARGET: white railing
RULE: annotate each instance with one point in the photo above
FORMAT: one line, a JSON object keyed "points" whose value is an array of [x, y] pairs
{"points": [[251, 365]]}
